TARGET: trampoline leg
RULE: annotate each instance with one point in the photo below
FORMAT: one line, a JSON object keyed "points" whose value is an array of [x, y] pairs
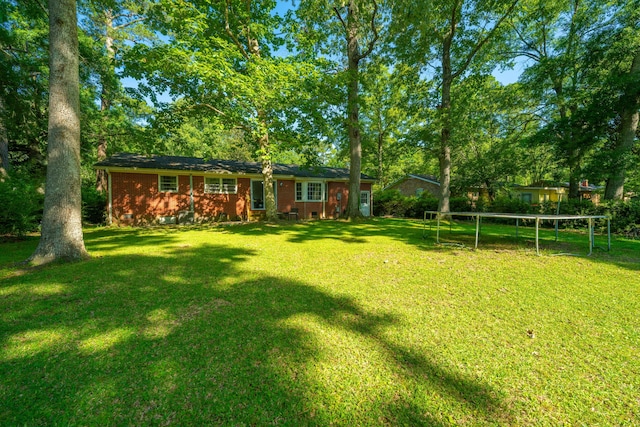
{"points": [[609, 234], [537, 245], [477, 229], [590, 225], [517, 221], [438, 228]]}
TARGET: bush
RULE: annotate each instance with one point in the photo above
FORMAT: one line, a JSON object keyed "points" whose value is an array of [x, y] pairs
{"points": [[22, 201], [509, 205], [94, 204], [426, 202], [390, 202], [625, 216], [459, 204]]}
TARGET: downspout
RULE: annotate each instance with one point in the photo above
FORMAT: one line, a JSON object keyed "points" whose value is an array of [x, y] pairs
{"points": [[110, 202], [324, 198], [192, 204]]}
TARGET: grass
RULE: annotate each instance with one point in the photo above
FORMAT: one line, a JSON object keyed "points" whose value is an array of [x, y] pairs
{"points": [[321, 323]]}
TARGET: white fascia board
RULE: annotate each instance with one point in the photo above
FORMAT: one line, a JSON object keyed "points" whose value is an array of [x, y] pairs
{"points": [[424, 179]]}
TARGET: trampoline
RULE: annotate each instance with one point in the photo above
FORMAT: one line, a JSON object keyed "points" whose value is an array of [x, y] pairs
{"points": [[536, 218]]}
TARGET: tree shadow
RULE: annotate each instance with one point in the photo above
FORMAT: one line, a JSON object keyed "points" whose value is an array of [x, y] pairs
{"points": [[199, 337]]}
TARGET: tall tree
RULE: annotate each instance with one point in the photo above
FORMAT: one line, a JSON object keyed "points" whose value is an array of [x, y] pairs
{"points": [[113, 24], [219, 56], [351, 31], [486, 139], [388, 118], [5, 166], [457, 33], [630, 116], [554, 38], [624, 50], [61, 237], [23, 83]]}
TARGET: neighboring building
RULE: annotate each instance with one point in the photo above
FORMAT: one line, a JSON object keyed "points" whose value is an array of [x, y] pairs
{"points": [[415, 185], [548, 191], [170, 189]]}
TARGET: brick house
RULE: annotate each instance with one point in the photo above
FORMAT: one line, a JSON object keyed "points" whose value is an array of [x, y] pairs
{"points": [[169, 189], [415, 185]]}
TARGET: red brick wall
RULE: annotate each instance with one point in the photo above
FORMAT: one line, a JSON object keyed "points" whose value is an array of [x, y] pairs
{"points": [[213, 205], [411, 185], [286, 195], [136, 199]]}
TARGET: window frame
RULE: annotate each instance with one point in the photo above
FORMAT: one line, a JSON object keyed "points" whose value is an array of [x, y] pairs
{"points": [[318, 190], [221, 185], [302, 191], [161, 187]]}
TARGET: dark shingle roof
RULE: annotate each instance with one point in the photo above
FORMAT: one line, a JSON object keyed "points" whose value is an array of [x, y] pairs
{"points": [[194, 164]]}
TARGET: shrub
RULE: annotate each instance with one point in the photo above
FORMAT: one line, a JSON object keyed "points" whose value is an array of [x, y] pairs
{"points": [[426, 202], [22, 201], [509, 205], [94, 204], [624, 215], [390, 202], [459, 204]]}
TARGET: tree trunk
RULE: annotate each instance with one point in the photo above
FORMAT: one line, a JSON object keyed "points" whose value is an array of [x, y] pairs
{"points": [[628, 128], [381, 178], [445, 133], [353, 125], [105, 100], [4, 143], [61, 237], [271, 211]]}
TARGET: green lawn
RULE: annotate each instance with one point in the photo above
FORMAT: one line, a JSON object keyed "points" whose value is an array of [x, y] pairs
{"points": [[321, 323]]}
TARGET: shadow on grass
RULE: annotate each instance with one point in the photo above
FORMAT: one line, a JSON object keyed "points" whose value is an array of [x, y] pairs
{"points": [[496, 237], [201, 339]]}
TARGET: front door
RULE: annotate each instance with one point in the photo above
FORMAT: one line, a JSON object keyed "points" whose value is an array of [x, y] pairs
{"points": [[365, 203]]}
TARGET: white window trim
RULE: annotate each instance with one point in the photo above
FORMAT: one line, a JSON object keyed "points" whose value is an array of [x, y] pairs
{"points": [[220, 180], [305, 191], [170, 176]]}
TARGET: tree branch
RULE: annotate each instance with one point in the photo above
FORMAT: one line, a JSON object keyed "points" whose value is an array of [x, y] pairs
{"points": [[227, 28], [43, 7], [127, 24], [524, 53], [373, 41], [482, 42], [538, 54], [344, 24]]}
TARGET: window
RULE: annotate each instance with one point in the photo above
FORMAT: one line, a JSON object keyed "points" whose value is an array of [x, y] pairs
{"points": [[298, 191], [364, 197], [257, 195], [309, 191], [526, 197], [168, 183], [220, 185], [314, 191], [419, 192]]}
